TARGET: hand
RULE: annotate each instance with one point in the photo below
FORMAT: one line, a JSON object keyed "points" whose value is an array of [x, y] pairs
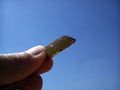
{"points": [[21, 70]]}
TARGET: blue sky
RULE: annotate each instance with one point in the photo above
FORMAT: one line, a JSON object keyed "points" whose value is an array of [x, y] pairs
{"points": [[92, 63]]}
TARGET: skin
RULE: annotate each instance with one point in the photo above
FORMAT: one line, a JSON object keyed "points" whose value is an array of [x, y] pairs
{"points": [[22, 70]]}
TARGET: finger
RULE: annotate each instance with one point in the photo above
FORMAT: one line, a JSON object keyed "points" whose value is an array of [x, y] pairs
{"points": [[15, 67], [33, 82], [46, 66]]}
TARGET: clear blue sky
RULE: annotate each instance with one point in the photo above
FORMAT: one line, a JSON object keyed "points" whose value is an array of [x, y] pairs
{"points": [[92, 63]]}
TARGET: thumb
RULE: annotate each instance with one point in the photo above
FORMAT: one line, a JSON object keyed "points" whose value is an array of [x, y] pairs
{"points": [[17, 66]]}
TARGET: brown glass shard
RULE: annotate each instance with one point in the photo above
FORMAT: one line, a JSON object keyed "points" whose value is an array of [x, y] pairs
{"points": [[59, 45]]}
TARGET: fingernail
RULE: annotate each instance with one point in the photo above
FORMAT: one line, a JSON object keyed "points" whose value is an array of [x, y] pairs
{"points": [[35, 50]]}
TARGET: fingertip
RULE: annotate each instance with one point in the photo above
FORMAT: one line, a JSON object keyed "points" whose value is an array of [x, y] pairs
{"points": [[38, 54], [35, 50]]}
